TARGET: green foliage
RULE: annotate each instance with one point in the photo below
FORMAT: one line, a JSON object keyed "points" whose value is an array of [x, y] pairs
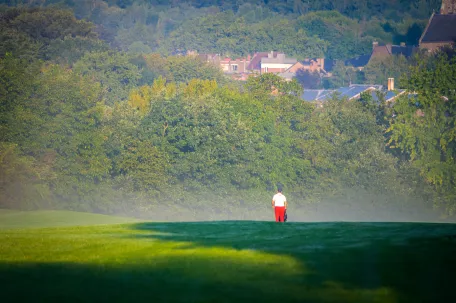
{"points": [[309, 80], [346, 146], [51, 24], [79, 129], [344, 36], [112, 70], [137, 165], [23, 181], [342, 75], [45, 33], [70, 49], [378, 71], [17, 43], [304, 30], [424, 126], [177, 68]]}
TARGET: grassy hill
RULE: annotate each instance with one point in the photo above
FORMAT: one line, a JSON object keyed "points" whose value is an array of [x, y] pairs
{"points": [[230, 261], [54, 218]]}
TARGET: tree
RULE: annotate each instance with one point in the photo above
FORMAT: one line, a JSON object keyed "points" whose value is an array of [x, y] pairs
{"points": [[70, 49], [345, 146], [342, 75], [378, 71], [423, 127], [112, 70], [49, 24], [308, 80], [179, 68], [23, 180], [342, 34]]}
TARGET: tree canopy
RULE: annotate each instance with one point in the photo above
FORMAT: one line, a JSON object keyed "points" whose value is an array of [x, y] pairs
{"points": [[107, 129]]}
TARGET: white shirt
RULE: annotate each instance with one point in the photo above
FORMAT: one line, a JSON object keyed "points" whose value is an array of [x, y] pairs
{"points": [[279, 199]]}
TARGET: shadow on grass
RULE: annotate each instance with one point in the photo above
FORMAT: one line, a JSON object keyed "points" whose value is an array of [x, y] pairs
{"points": [[67, 282], [378, 262], [243, 262]]}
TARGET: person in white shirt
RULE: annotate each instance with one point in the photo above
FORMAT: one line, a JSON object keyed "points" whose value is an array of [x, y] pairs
{"points": [[279, 204]]}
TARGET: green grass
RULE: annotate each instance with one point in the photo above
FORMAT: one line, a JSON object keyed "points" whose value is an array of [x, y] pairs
{"points": [[54, 218], [230, 261]]}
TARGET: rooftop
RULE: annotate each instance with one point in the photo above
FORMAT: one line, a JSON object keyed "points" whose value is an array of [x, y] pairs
{"points": [[279, 60], [441, 28], [350, 92], [389, 49], [359, 61], [255, 63]]}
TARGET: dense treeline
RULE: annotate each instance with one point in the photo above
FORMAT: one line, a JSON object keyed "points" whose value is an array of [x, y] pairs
{"points": [[333, 29], [110, 131], [352, 8], [173, 141]]}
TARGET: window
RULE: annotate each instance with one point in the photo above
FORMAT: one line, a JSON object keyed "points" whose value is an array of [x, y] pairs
{"points": [[234, 67]]}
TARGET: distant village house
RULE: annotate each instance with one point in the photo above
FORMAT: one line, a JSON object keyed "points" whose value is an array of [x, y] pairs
{"points": [[263, 62], [237, 66], [276, 64], [441, 28], [354, 92], [381, 52]]}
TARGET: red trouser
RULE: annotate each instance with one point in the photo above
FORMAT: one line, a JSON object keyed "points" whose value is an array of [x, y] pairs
{"points": [[279, 213]]}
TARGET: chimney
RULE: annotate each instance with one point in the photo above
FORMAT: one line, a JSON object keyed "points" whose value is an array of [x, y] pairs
{"points": [[271, 55], [390, 84], [374, 44], [448, 7]]}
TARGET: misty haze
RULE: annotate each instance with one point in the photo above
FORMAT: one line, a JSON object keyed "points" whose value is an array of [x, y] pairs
{"points": [[151, 150]]}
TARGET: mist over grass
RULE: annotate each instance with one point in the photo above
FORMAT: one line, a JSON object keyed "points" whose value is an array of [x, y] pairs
{"points": [[354, 205], [349, 204]]}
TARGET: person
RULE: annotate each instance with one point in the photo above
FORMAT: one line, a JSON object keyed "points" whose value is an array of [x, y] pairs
{"points": [[279, 204]]}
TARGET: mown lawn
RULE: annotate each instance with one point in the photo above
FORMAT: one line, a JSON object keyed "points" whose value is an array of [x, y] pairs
{"points": [[53, 218], [230, 261]]}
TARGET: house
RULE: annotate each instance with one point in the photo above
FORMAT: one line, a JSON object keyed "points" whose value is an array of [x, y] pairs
{"points": [[255, 62], [310, 65], [210, 58], [235, 66], [262, 62], [353, 92], [276, 63], [270, 62], [441, 28], [381, 52]]}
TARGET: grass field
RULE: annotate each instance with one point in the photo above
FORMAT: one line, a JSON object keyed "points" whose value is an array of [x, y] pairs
{"points": [[51, 218], [228, 261]]}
